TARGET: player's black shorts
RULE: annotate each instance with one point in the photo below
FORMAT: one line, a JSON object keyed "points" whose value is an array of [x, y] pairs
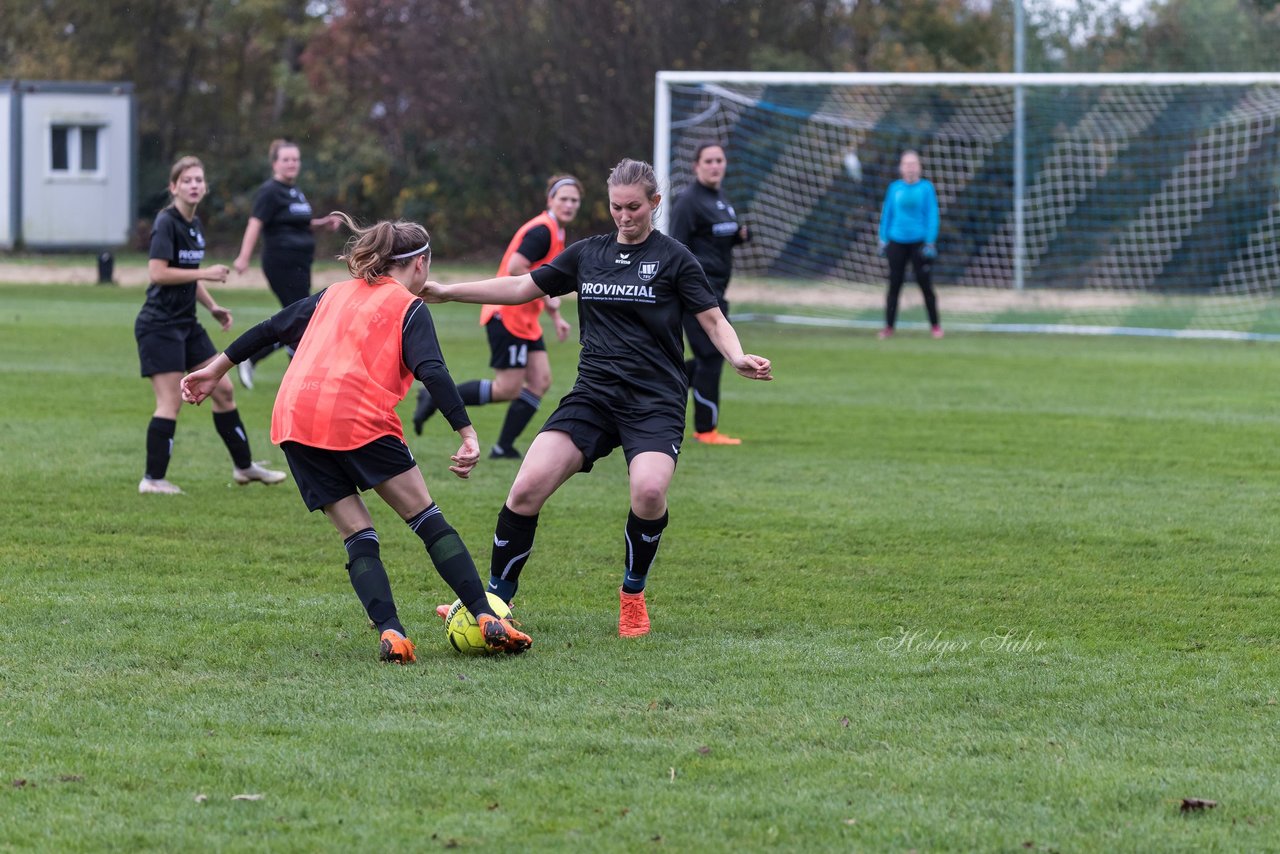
{"points": [[166, 349], [596, 427], [505, 349], [324, 476]]}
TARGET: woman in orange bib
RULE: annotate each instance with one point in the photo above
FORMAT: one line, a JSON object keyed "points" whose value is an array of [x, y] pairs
{"points": [[360, 345], [517, 351]]}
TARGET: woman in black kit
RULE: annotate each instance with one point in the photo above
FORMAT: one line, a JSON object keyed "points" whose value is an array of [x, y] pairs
{"points": [[633, 286], [171, 341], [703, 220], [282, 215]]}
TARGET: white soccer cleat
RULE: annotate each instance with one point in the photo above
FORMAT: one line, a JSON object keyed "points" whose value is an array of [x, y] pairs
{"points": [[157, 486], [245, 369], [258, 472]]}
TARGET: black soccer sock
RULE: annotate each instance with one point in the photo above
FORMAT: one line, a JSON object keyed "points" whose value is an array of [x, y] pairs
{"points": [[476, 392], [643, 537], [160, 433], [519, 413], [369, 579], [451, 558], [231, 429], [512, 544]]}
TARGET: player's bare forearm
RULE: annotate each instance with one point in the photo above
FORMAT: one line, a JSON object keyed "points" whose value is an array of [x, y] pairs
{"points": [[725, 338], [504, 290], [721, 333]]}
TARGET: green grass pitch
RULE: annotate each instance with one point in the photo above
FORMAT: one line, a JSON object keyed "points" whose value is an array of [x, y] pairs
{"points": [[989, 593]]}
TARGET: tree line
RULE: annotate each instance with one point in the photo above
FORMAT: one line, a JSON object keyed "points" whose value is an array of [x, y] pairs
{"points": [[454, 112]]}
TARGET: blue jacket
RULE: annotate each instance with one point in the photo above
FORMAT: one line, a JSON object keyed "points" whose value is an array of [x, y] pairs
{"points": [[910, 213]]}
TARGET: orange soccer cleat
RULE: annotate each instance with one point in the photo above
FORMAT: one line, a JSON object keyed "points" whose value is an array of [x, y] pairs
{"points": [[503, 635], [715, 437], [396, 648], [633, 615]]}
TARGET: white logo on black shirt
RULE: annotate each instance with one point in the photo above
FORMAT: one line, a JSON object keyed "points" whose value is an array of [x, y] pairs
{"points": [[648, 269], [612, 292], [623, 258]]}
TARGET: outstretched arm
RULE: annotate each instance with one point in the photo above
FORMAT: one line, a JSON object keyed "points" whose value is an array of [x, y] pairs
{"points": [[725, 337], [504, 290]]}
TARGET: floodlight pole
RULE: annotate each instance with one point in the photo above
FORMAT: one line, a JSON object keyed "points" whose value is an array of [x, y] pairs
{"points": [[1019, 147]]}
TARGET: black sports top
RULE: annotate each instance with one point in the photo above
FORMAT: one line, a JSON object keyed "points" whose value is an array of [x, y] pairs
{"points": [[630, 300], [181, 244], [286, 218]]}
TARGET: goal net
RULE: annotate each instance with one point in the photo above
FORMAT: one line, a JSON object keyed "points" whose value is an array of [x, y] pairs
{"points": [[1150, 204]]}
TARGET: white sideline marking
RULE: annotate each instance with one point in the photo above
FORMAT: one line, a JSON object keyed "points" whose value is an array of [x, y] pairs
{"points": [[1022, 328]]}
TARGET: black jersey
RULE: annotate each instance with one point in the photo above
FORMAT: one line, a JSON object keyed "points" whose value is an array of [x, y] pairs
{"points": [[419, 348], [535, 245], [630, 300], [286, 219], [703, 220], [181, 244]]}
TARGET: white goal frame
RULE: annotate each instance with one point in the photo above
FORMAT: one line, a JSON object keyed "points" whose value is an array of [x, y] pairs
{"points": [[1018, 83]]}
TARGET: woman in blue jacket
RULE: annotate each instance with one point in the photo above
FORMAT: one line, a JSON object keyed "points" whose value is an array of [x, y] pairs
{"points": [[909, 231]]}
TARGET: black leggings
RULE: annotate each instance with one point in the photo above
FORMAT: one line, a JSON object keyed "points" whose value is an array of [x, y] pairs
{"points": [[704, 371], [898, 255], [289, 275]]}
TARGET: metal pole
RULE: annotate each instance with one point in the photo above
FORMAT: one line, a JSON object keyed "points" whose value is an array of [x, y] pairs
{"points": [[1019, 148], [662, 140]]}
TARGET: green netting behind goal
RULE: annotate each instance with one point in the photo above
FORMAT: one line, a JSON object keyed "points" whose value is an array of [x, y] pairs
{"points": [[1146, 205]]}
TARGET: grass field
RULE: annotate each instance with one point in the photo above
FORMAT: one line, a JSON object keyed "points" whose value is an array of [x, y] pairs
{"points": [[989, 593]]}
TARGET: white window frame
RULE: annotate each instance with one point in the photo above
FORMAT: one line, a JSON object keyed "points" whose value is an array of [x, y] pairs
{"points": [[74, 128]]}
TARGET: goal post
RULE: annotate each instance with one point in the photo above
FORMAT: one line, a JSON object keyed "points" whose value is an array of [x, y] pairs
{"points": [[1141, 202]]}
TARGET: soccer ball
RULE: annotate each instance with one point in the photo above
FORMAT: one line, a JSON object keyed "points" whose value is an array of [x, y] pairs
{"points": [[853, 166], [464, 632]]}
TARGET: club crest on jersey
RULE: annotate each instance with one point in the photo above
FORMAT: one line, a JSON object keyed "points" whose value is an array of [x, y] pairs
{"points": [[648, 269]]}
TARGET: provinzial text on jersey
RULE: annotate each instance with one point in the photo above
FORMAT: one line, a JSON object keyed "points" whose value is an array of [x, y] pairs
{"points": [[612, 290]]}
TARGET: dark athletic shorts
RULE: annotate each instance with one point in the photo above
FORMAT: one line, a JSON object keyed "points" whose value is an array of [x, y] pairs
{"points": [[596, 428], [506, 350], [169, 349], [324, 476]]}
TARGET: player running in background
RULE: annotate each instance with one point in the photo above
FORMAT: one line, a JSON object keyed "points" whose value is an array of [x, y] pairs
{"points": [[633, 285], [283, 216], [703, 220], [359, 345], [909, 231], [518, 353], [171, 340]]}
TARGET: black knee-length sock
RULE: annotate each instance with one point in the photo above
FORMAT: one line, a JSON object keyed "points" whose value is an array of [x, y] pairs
{"points": [[451, 558], [160, 433], [369, 579], [643, 537], [231, 429], [476, 392], [512, 544], [519, 414]]}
